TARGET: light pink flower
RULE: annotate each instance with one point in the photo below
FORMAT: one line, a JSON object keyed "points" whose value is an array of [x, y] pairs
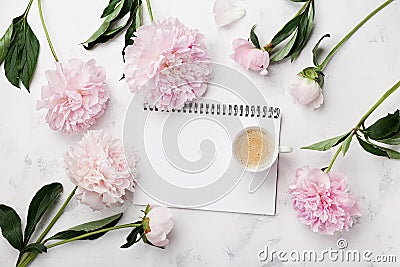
{"points": [[225, 13], [168, 63], [250, 57], [157, 225], [321, 200], [307, 92], [76, 95], [98, 167]]}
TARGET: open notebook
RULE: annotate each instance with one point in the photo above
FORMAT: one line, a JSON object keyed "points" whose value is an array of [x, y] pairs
{"points": [[185, 156]]}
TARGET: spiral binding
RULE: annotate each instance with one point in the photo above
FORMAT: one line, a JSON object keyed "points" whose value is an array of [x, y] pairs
{"points": [[223, 109]]}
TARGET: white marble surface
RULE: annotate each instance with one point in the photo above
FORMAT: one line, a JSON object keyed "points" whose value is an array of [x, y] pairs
{"points": [[31, 154]]}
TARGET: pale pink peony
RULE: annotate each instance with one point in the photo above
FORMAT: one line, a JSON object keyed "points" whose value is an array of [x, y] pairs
{"points": [[157, 225], [321, 200], [98, 167], [75, 96], [168, 63], [307, 92], [250, 57]]}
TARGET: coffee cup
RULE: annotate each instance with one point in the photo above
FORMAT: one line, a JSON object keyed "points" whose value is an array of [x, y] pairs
{"points": [[257, 149]]}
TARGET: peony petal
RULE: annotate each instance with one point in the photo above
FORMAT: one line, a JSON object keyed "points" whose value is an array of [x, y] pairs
{"points": [[316, 103], [305, 91], [226, 18], [92, 200], [225, 13], [160, 223]]}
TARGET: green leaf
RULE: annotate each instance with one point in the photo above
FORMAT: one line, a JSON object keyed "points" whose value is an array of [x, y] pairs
{"points": [[134, 236], [105, 25], [10, 224], [378, 150], [327, 144], [393, 140], [136, 15], [22, 55], [36, 248], [315, 50], [111, 26], [87, 228], [40, 203], [284, 51], [5, 42], [346, 144], [254, 38], [106, 36], [126, 8], [304, 31], [286, 31], [110, 8], [384, 127]]}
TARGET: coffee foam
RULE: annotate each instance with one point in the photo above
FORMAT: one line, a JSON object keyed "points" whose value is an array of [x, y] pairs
{"points": [[254, 148]]}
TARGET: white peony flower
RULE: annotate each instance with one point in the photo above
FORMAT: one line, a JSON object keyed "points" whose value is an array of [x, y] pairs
{"points": [[98, 167], [307, 92], [157, 225]]}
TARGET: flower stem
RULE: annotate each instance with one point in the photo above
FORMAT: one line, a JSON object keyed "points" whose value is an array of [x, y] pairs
{"points": [[46, 32], [347, 36], [29, 257], [28, 8], [129, 225], [57, 216], [362, 120], [150, 12], [27, 260], [333, 159], [380, 100]]}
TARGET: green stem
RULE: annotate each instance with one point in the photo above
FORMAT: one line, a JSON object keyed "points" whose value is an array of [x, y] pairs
{"points": [[347, 36], [150, 12], [380, 100], [362, 120], [333, 159], [129, 225], [46, 32], [25, 262], [57, 216], [28, 8], [27, 258]]}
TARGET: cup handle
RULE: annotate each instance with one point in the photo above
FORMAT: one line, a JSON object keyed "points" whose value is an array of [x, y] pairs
{"points": [[285, 149]]}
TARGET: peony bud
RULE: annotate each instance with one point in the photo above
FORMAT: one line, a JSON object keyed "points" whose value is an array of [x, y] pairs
{"points": [[250, 57], [157, 224]]}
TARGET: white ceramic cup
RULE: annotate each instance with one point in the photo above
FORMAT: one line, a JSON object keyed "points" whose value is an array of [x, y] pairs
{"points": [[272, 141]]}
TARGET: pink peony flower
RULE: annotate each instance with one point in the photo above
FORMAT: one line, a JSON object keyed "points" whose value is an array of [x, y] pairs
{"points": [[250, 57], [98, 167], [157, 225], [307, 92], [321, 200], [76, 95], [168, 63], [225, 13]]}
